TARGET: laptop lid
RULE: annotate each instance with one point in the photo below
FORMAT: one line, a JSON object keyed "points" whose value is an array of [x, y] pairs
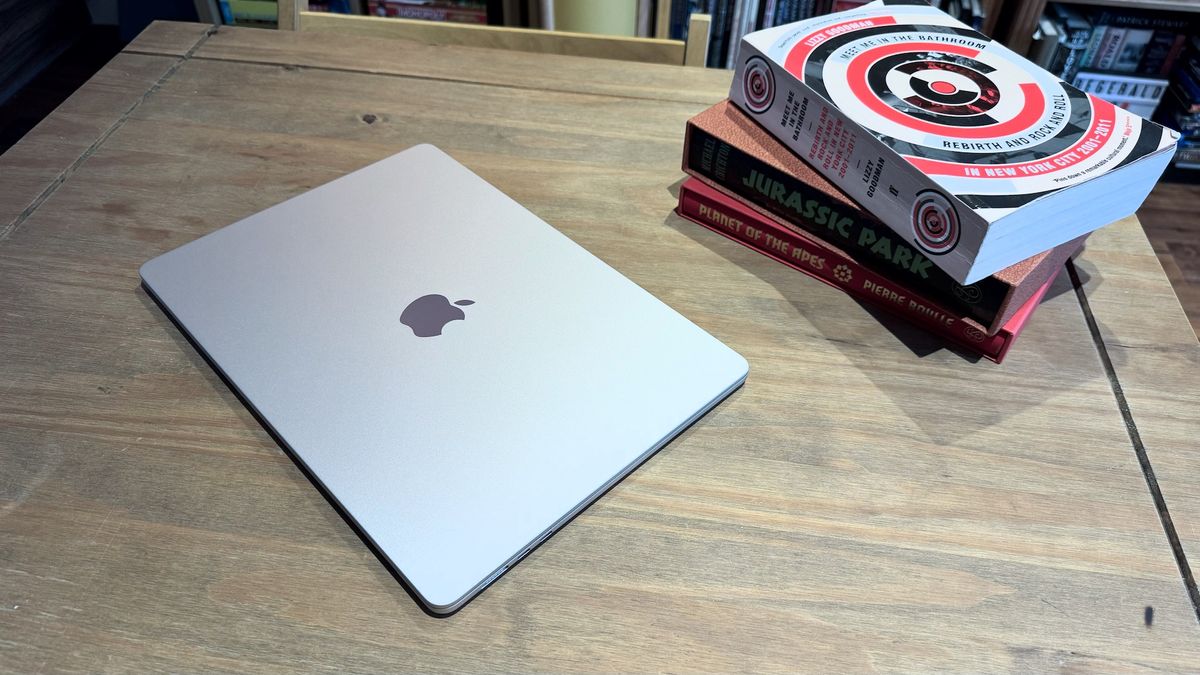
{"points": [[459, 376]]}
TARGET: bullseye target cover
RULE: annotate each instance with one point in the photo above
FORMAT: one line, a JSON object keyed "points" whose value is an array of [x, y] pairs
{"points": [[973, 154]]}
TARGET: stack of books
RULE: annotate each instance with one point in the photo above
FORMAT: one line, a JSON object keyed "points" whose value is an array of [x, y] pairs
{"points": [[896, 154]]}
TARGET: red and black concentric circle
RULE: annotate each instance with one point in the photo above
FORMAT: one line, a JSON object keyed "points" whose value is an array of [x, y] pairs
{"points": [[935, 223], [758, 85], [917, 86], [932, 86]]}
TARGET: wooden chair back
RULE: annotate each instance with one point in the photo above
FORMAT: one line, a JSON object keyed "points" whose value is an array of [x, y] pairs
{"points": [[294, 15]]}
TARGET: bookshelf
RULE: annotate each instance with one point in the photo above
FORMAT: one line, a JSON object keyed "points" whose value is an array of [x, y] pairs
{"points": [[294, 15], [1021, 16], [1164, 5]]}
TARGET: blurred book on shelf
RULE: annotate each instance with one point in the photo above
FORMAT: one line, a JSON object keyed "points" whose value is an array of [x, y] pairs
{"points": [[1074, 34], [1138, 94], [1180, 108], [464, 11], [645, 18]]}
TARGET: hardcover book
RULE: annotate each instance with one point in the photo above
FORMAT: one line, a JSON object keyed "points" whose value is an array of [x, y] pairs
{"points": [[727, 149], [967, 151], [711, 208]]}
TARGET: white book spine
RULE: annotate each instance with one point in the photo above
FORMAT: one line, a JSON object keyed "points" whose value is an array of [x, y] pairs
{"points": [[854, 159]]}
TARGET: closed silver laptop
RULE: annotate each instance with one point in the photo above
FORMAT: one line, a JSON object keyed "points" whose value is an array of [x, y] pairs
{"points": [[460, 377]]}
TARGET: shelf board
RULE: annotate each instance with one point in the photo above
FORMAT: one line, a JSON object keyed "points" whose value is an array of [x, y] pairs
{"points": [[1166, 5]]}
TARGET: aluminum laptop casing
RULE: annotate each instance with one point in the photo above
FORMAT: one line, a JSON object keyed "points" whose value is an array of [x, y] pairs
{"points": [[457, 453]]}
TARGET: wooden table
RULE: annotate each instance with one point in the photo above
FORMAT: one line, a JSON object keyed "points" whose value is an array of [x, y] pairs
{"points": [[869, 500]]}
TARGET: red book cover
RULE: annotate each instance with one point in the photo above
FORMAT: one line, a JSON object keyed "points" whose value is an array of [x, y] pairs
{"points": [[729, 151], [727, 216]]}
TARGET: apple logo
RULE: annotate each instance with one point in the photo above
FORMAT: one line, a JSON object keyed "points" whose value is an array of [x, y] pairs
{"points": [[428, 314]]}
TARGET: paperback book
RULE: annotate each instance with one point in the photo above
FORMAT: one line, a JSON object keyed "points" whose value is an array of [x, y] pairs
{"points": [[967, 151]]}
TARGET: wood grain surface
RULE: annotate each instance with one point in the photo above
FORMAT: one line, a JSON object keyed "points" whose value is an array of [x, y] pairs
{"points": [[169, 38], [869, 501], [649, 50], [498, 67], [287, 16], [1172, 224], [1155, 360]]}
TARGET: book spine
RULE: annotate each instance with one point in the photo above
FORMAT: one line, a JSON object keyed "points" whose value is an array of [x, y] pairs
{"points": [[678, 19], [1132, 49], [1058, 62], [1154, 21], [735, 34], [645, 18], [1173, 56], [853, 231], [1122, 86], [720, 33], [1187, 88], [868, 170], [1156, 52], [793, 10], [1076, 44], [1110, 48], [1091, 52], [1070, 63], [1188, 123], [841, 272], [768, 13], [1049, 47], [440, 14]]}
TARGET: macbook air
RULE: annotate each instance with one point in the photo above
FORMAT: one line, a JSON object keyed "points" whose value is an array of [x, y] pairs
{"points": [[460, 377]]}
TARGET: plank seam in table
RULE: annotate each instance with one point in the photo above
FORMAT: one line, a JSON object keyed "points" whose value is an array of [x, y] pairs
{"points": [[1135, 439], [95, 145]]}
